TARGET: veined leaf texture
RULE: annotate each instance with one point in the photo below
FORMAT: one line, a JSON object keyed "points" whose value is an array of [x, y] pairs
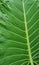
{"points": [[19, 32]]}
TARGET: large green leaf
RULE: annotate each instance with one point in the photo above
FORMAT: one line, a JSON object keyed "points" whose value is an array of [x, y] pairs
{"points": [[19, 32]]}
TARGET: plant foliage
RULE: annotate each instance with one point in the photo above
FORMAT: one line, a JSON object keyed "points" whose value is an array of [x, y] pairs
{"points": [[19, 21]]}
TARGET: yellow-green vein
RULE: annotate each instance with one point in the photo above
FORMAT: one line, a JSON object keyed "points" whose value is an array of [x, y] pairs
{"points": [[26, 30]]}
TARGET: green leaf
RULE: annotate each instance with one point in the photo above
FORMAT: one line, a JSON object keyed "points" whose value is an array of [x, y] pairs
{"points": [[19, 39]]}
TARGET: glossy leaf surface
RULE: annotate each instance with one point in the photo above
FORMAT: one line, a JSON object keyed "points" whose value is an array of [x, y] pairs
{"points": [[19, 39]]}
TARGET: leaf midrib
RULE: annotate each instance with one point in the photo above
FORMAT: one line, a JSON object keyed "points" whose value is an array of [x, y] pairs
{"points": [[27, 35]]}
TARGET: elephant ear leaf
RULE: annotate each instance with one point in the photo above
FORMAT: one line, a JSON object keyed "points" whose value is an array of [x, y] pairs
{"points": [[19, 32]]}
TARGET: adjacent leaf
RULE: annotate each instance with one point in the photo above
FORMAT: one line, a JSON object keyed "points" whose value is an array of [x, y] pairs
{"points": [[19, 37]]}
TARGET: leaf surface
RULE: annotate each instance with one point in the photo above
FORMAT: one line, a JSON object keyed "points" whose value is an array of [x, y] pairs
{"points": [[19, 32]]}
